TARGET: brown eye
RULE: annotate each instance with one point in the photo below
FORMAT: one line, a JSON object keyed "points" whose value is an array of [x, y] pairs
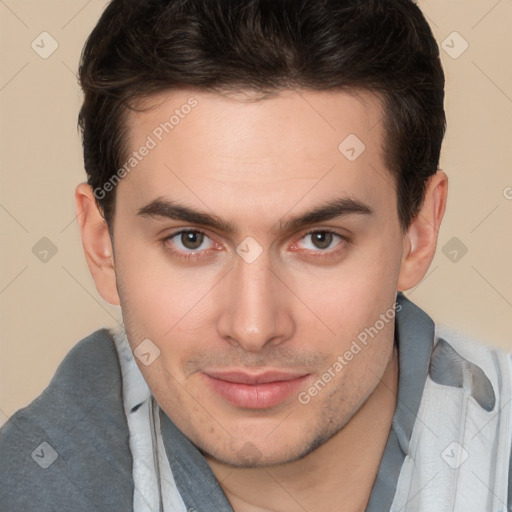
{"points": [[322, 245], [191, 239], [322, 239], [188, 240]]}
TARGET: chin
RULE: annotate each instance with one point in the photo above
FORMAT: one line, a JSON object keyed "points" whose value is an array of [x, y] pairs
{"points": [[249, 455]]}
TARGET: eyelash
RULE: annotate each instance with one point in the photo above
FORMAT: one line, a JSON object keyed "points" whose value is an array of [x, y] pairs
{"points": [[198, 256]]}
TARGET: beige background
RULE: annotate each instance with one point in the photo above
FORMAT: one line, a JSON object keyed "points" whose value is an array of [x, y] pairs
{"points": [[46, 307]]}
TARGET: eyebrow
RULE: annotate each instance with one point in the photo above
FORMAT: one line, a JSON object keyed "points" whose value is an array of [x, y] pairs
{"points": [[335, 208]]}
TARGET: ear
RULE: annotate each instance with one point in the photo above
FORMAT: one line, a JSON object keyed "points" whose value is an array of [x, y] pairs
{"points": [[420, 241], [97, 243]]}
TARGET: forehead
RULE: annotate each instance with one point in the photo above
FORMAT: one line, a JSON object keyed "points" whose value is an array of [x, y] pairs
{"points": [[234, 149], [321, 117]]}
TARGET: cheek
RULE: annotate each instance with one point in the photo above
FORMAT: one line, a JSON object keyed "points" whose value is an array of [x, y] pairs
{"points": [[163, 303], [349, 299], [157, 294], [357, 373], [357, 304]]}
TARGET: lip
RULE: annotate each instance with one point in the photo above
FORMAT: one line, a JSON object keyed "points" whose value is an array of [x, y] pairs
{"points": [[254, 391]]}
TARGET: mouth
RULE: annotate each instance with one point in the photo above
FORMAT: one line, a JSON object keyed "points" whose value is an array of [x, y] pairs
{"points": [[254, 391]]}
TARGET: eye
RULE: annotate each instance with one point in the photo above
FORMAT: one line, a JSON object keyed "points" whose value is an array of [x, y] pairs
{"points": [[189, 240], [322, 240]]}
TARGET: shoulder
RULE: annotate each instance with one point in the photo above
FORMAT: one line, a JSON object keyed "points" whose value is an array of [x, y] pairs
{"points": [[59, 451], [455, 350], [485, 371], [461, 338]]}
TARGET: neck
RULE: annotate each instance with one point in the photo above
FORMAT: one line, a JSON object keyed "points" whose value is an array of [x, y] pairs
{"points": [[338, 475]]}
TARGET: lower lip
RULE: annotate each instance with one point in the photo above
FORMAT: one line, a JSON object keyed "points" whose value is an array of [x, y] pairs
{"points": [[257, 396]]}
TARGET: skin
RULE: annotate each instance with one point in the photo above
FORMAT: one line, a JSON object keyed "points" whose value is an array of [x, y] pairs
{"points": [[256, 164]]}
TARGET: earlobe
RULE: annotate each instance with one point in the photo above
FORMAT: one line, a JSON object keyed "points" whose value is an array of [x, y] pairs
{"points": [[420, 241], [97, 243]]}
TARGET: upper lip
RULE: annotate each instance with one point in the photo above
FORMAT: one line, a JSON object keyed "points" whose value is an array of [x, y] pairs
{"points": [[242, 377]]}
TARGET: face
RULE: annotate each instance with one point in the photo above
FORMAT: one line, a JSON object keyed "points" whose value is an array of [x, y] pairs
{"points": [[248, 302]]}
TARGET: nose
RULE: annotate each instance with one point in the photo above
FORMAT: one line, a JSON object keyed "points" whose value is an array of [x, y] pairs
{"points": [[256, 311]]}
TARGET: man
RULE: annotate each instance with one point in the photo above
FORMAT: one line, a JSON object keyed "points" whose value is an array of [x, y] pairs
{"points": [[263, 185]]}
